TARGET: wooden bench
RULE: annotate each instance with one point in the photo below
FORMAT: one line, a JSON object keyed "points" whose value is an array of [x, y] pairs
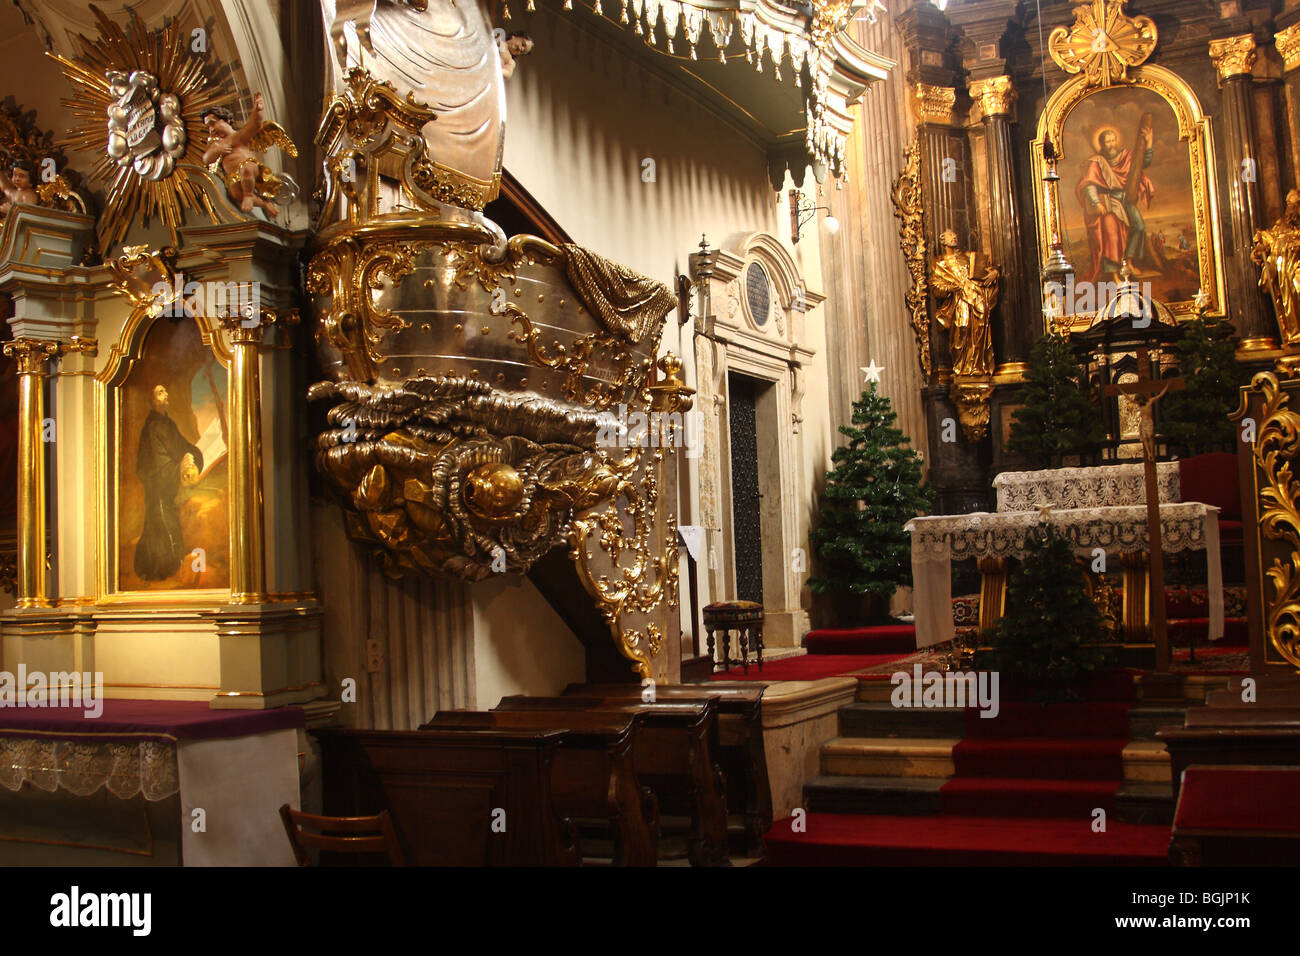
{"points": [[1214, 736], [674, 756], [443, 789], [1238, 815], [593, 774], [740, 754]]}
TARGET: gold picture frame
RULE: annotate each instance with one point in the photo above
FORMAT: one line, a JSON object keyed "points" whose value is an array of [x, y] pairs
{"points": [[110, 383], [1193, 128]]}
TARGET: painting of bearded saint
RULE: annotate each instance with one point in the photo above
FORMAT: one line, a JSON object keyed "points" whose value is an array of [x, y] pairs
{"points": [[173, 525], [1133, 193]]}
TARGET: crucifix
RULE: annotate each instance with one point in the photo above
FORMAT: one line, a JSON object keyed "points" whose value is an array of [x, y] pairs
{"points": [[1146, 391]]}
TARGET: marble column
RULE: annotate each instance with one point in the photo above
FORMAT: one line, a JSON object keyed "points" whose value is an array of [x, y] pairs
{"points": [[1014, 324], [33, 357], [248, 522], [1288, 46], [1234, 58]]}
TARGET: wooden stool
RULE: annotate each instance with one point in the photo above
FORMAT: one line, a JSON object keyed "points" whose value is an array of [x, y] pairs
{"points": [[744, 617]]}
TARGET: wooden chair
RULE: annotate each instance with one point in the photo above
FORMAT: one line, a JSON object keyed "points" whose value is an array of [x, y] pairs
{"points": [[364, 835]]}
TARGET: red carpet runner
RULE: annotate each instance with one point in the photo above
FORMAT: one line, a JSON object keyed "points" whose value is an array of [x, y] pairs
{"points": [[1024, 790]]}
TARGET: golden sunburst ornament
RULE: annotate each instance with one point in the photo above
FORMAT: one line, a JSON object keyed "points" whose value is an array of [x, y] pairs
{"points": [[139, 96]]}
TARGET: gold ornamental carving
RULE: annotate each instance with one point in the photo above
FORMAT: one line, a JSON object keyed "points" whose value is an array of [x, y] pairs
{"points": [[1233, 56], [479, 386], [966, 292], [1288, 46], [28, 157], [1276, 252], [934, 104], [1276, 447], [994, 96], [909, 208], [139, 96], [1103, 42]]}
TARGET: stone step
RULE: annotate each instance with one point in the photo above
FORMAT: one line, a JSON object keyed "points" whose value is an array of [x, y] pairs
{"points": [[882, 719], [1145, 761], [888, 756], [1145, 720], [884, 795], [885, 720], [919, 796]]}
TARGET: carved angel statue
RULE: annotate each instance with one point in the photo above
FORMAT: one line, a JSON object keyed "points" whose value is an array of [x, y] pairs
{"points": [[511, 48], [967, 297], [1276, 251], [17, 186], [238, 155]]}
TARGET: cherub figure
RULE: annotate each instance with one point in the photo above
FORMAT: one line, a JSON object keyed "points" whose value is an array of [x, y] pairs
{"points": [[238, 155], [17, 186], [511, 48]]}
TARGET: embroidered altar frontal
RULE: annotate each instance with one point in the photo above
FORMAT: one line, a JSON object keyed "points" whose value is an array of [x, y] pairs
{"points": [[149, 781]]}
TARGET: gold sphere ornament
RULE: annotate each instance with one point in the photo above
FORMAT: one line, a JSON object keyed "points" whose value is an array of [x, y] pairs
{"points": [[493, 490]]}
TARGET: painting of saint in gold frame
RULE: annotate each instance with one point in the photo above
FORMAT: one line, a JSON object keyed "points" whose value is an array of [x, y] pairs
{"points": [[1133, 160], [169, 507]]}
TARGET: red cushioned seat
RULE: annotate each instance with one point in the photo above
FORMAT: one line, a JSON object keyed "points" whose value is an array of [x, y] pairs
{"points": [[1245, 798]]}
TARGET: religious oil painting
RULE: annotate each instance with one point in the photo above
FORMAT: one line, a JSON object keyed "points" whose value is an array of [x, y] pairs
{"points": [[1126, 193], [1133, 188], [172, 437]]}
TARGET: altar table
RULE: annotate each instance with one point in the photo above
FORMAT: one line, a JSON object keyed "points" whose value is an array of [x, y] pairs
{"points": [[1104, 486], [237, 766], [937, 540]]}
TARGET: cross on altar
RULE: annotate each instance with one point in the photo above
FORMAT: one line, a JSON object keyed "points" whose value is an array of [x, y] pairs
{"points": [[1146, 391]]}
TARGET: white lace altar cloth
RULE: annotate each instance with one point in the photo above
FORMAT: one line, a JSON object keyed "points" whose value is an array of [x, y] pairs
{"points": [[1103, 487], [84, 766], [937, 540]]}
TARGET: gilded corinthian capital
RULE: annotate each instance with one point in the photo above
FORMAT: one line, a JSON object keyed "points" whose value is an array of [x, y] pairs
{"points": [[1233, 56], [933, 104], [1288, 45], [995, 95]]}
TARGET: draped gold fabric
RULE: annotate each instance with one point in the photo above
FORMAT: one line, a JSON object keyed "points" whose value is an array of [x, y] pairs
{"points": [[630, 305]]}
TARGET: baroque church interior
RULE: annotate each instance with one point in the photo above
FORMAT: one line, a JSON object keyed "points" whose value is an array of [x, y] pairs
{"points": [[650, 433]]}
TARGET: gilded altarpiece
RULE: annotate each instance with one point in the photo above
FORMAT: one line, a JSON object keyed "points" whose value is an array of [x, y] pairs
{"points": [[1151, 122], [164, 515]]}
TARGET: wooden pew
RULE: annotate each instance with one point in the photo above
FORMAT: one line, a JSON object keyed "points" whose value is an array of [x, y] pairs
{"points": [[592, 776], [674, 756], [1268, 736], [740, 755], [1239, 815], [442, 788]]}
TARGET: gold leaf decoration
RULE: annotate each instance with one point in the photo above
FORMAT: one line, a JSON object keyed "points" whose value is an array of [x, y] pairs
{"points": [[173, 70]]}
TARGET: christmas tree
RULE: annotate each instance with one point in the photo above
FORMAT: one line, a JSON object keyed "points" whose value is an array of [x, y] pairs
{"points": [[1048, 637], [874, 489], [1058, 418], [1195, 420]]}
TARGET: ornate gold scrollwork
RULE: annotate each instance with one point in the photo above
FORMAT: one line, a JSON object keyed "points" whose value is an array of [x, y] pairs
{"points": [[575, 360], [1103, 42], [1276, 445], [350, 273], [640, 587], [910, 211]]}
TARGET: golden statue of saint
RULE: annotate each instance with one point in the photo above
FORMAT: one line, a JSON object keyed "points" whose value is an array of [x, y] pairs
{"points": [[966, 300], [1276, 251]]}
